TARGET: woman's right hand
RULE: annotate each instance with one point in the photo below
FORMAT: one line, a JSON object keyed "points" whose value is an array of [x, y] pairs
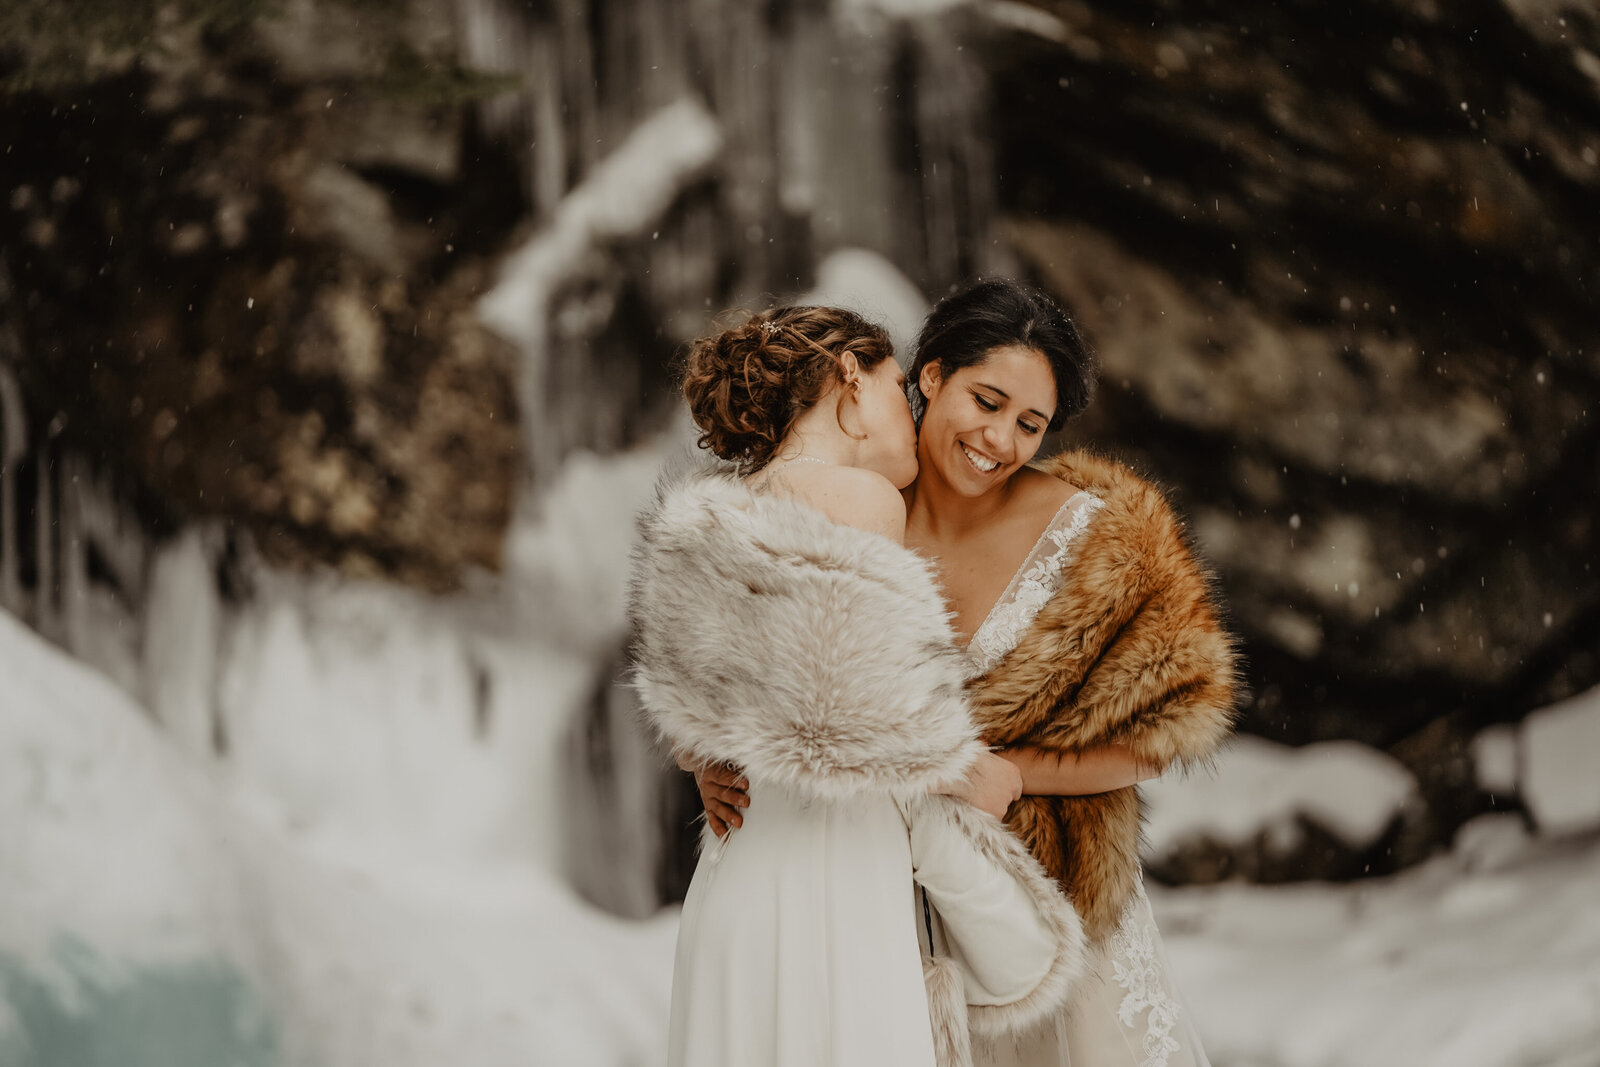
{"points": [[723, 791], [992, 784]]}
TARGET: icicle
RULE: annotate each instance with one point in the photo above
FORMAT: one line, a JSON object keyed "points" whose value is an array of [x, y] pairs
{"points": [[74, 557], [46, 618], [13, 449], [182, 621]]}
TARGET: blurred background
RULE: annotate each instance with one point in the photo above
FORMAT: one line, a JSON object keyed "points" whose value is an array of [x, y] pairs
{"points": [[337, 351]]}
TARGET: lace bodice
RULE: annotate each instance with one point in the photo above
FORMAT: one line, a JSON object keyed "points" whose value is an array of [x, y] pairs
{"points": [[1036, 581]]}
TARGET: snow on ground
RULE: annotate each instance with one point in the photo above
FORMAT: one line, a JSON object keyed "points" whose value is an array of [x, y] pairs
{"points": [[128, 869], [373, 872], [1489, 957], [147, 919]]}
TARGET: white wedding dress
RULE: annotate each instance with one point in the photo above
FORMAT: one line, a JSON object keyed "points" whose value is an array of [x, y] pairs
{"points": [[1126, 1011], [799, 939]]}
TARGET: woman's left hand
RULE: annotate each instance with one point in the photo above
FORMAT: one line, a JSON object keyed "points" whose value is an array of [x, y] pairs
{"points": [[992, 784]]}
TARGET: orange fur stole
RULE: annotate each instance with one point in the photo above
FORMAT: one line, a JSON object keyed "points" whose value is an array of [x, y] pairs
{"points": [[1129, 650]]}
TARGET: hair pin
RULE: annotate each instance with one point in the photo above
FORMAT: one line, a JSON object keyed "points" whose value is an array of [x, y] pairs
{"points": [[770, 328]]}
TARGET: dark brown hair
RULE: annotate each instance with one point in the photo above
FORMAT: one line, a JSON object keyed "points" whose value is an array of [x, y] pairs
{"points": [[970, 323], [747, 385]]}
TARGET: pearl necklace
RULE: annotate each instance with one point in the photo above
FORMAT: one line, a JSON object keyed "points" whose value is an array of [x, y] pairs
{"points": [[763, 477], [799, 459]]}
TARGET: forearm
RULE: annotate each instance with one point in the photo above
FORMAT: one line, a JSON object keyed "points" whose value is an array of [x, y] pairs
{"points": [[1094, 770]]}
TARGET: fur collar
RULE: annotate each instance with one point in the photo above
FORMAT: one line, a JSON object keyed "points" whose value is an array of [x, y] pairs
{"points": [[809, 654]]}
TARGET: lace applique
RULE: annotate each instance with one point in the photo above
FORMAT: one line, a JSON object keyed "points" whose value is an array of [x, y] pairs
{"points": [[1137, 968], [1033, 585]]}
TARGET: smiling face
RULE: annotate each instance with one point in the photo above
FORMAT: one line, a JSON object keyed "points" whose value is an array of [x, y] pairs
{"points": [[890, 447], [985, 421]]}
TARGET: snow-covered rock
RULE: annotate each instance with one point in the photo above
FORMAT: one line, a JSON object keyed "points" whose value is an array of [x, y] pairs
{"points": [[1495, 758], [1560, 780], [624, 195], [1260, 789]]}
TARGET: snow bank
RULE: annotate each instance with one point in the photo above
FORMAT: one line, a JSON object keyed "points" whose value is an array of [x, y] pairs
{"points": [[105, 834], [147, 919], [144, 915], [1259, 787], [1447, 965]]}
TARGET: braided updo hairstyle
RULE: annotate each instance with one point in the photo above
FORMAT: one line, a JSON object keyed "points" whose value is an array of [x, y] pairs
{"points": [[747, 385]]}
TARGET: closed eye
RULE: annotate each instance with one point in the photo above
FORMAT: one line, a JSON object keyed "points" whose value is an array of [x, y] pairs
{"points": [[1028, 427], [985, 403]]}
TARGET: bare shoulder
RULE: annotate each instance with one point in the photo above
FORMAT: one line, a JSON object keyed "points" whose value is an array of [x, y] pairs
{"points": [[854, 496], [1040, 493]]}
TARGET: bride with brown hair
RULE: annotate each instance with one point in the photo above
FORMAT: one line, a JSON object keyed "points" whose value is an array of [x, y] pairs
{"points": [[1092, 630], [781, 626]]}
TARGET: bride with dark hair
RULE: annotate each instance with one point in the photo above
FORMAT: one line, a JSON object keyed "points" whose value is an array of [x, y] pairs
{"points": [[1093, 633], [781, 626]]}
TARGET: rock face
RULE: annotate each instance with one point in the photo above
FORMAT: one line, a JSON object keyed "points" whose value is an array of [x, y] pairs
{"points": [[251, 296], [244, 257], [1341, 273]]}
